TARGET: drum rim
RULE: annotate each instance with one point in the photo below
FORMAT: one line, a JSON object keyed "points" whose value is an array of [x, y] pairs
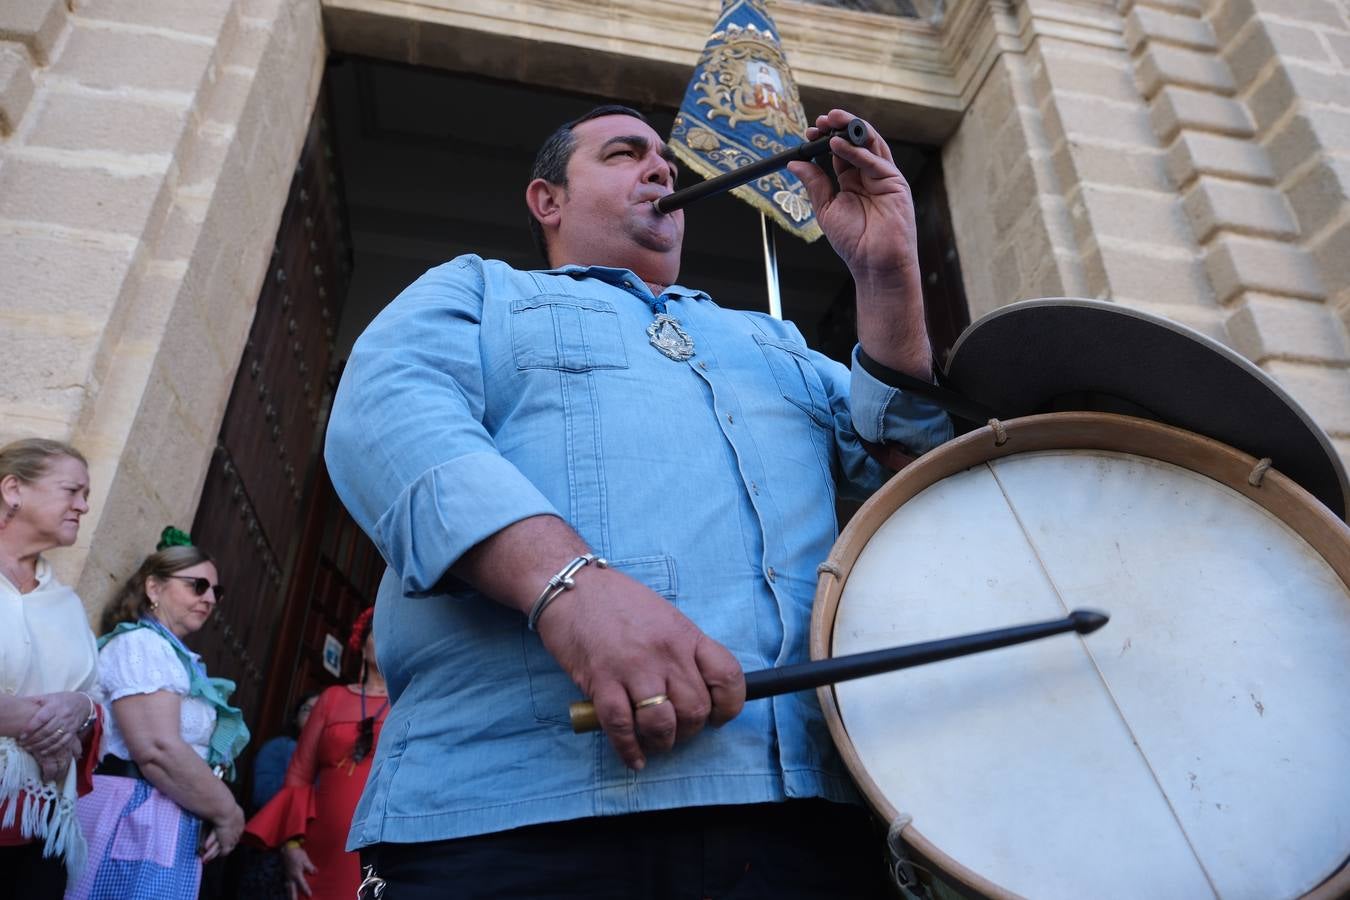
{"points": [[1109, 432]]}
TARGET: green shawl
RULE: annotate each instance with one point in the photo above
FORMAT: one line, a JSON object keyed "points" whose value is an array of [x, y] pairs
{"points": [[230, 734]]}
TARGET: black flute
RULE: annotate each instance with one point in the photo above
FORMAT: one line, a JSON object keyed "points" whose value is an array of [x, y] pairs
{"points": [[854, 132]]}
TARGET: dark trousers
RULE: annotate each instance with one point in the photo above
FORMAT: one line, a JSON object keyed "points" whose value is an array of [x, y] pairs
{"points": [[799, 850], [25, 873]]}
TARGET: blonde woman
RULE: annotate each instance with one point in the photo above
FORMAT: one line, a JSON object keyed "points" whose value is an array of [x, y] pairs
{"points": [[48, 669]]}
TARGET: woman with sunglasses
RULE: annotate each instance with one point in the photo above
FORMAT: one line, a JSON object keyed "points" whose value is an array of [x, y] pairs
{"points": [[159, 808], [48, 669], [311, 815]]}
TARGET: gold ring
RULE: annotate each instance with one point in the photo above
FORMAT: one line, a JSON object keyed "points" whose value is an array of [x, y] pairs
{"points": [[657, 700]]}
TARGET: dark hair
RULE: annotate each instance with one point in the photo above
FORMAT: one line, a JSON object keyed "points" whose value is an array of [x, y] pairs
{"points": [[295, 711], [550, 163], [131, 601], [365, 739]]}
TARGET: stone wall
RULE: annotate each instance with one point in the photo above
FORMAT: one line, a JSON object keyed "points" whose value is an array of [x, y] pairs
{"points": [[1186, 158], [145, 153], [1189, 157]]}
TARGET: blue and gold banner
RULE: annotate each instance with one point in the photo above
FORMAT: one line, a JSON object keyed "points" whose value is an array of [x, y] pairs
{"points": [[742, 106]]}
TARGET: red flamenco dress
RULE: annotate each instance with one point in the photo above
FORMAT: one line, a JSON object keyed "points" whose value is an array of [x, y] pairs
{"points": [[322, 787]]}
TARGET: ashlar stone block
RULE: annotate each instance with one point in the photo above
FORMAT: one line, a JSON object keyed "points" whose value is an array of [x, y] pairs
{"points": [[1153, 273], [1312, 12], [47, 274], [77, 197], [34, 23], [112, 59], [1324, 391], [1238, 263], [1306, 134], [1196, 153], [1060, 67], [1182, 7], [199, 17], [1107, 164], [1340, 47], [1085, 118], [1256, 47], [1263, 327], [47, 362], [1331, 250], [16, 85], [79, 121], [1215, 204], [1174, 108], [1131, 215], [1271, 98], [1321, 194], [1160, 65], [1150, 24]]}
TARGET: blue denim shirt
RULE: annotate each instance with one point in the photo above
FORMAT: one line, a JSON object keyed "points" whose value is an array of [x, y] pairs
{"points": [[483, 395]]}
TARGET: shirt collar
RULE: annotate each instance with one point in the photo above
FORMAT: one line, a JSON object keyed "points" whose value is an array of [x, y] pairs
{"points": [[44, 577], [620, 277]]}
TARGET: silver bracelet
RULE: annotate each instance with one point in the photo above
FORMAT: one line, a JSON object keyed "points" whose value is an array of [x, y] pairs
{"points": [[563, 581], [93, 710]]}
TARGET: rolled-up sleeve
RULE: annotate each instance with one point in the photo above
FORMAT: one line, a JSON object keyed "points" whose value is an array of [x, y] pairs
{"points": [[886, 415], [406, 447]]}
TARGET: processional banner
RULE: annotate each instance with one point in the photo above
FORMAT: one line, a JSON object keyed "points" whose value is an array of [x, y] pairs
{"points": [[742, 106]]}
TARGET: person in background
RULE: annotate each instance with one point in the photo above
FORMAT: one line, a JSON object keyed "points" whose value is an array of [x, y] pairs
{"points": [[274, 756], [48, 671], [310, 816], [263, 875], [159, 808]]}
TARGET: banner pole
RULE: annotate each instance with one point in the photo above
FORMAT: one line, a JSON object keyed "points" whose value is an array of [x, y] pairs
{"points": [[771, 267]]}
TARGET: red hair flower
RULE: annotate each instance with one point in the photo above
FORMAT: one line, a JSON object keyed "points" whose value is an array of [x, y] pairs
{"points": [[360, 630]]}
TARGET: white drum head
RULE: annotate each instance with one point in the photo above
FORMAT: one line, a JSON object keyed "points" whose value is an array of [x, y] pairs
{"points": [[1198, 745]]}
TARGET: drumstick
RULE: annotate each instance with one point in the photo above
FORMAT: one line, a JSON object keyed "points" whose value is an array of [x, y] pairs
{"points": [[814, 674]]}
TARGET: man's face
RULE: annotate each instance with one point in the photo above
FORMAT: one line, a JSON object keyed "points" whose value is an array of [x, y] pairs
{"points": [[605, 214]]}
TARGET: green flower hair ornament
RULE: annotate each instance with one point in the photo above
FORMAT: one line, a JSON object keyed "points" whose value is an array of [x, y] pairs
{"points": [[172, 537]]}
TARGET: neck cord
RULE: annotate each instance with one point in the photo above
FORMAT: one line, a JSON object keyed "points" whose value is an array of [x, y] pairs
{"points": [[363, 703]]}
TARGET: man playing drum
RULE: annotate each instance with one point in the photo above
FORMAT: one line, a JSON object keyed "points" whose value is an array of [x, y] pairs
{"points": [[592, 481]]}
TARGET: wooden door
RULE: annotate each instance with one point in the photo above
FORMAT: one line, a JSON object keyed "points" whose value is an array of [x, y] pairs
{"points": [[254, 502]]}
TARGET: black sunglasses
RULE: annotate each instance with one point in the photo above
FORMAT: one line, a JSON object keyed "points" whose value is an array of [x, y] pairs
{"points": [[201, 586]]}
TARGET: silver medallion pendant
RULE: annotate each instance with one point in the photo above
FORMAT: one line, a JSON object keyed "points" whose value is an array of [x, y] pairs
{"points": [[667, 336]]}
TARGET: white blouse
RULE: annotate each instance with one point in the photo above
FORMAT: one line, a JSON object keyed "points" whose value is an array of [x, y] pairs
{"points": [[143, 662], [45, 646]]}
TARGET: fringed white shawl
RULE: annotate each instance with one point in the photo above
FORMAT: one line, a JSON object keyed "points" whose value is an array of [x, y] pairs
{"points": [[45, 646]]}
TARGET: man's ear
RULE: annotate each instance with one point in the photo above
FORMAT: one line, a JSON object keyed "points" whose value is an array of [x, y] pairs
{"points": [[544, 200]]}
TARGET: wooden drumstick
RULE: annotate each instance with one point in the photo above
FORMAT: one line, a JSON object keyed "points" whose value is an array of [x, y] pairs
{"points": [[814, 674]]}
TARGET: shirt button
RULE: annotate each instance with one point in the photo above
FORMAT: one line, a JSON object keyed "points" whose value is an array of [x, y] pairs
{"points": [[754, 489], [731, 420], [703, 365], [770, 573]]}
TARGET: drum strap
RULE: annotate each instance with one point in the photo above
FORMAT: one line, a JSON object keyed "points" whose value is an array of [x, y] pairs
{"points": [[954, 403]]}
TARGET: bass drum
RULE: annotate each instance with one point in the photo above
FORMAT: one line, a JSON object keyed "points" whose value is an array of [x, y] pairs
{"points": [[1198, 745]]}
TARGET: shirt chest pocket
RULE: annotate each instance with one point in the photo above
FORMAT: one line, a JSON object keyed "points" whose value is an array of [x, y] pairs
{"points": [[571, 334], [797, 379]]}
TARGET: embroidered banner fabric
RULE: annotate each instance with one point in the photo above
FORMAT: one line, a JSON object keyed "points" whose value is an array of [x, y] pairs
{"points": [[742, 106]]}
